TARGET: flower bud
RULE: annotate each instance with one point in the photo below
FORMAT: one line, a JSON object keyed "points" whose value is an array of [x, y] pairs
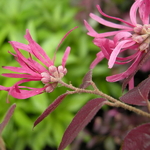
{"points": [[52, 69]]}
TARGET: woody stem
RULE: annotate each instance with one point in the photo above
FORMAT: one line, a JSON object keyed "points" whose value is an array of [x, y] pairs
{"points": [[111, 101]]}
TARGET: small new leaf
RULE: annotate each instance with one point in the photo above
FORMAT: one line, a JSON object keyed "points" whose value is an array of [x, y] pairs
{"points": [[138, 95], [82, 118], [138, 138], [86, 80]]}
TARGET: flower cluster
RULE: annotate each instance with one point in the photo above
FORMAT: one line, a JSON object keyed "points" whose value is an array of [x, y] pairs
{"points": [[31, 70], [132, 37]]}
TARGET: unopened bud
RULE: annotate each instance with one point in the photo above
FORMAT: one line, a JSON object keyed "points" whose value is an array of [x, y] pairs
{"points": [[61, 75], [54, 85], [53, 79], [52, 69], [60, 69], [138, 38], [45, 74], [45, 80], [144, 46], [65, 71], [55, 74], [138, 28], [49, 88]]}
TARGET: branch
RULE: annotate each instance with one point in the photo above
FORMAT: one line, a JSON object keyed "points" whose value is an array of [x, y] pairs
{"points": [[111, 101]]}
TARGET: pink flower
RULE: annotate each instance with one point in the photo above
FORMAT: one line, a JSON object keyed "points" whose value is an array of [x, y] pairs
{"points": [[132, 38], [31, 70]]}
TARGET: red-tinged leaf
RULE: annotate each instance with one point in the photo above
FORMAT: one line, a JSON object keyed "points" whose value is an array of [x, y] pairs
{"points": [[138, 138], [86, 80], [7, 117], [50, 108], [138, 95], [82, 118]]}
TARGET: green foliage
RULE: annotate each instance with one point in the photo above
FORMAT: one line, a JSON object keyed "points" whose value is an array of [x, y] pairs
{"points": [[48, 21]]}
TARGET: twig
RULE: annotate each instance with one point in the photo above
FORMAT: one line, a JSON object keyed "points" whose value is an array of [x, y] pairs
{"points": [[111, 101]]}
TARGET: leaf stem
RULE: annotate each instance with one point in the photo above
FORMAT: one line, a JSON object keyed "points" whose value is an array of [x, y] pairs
{"points": [[111, 101]]}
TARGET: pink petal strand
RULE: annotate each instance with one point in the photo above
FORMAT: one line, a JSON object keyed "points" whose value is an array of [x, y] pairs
{"points": [[66, 54], [3, 88], [121, 20], [133, 11], [106, 34], [37, 50], [21, 46], [144, 11], [121, 35], [131, 83], [65, 36], [14, 75], [89, 28], [23, 94], [26, 93], [98, 58], [24, 62], [108, 23], [115, 53], [18, 69], [39, 67], [125, 74]]}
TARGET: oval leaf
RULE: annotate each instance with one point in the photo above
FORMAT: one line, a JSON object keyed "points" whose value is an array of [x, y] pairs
{"points": [[138, 95], [82, 118], [50, 108], [138, 138]]}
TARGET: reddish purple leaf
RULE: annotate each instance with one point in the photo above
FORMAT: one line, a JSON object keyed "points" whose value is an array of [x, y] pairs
{"points": [[82, 118], [7, 117], [138, 95], [50, 108], [138, 138], [86, 80]]}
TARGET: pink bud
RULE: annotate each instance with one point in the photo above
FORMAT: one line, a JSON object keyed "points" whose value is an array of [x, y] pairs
{"points": [[52, 69], [55, 74], [144, 46], [61, 75], [65, 71], [54, 85], [53, 79], [138, 28], [138, 39], [45, 74], [45, 80], [49, 89], [60, 69]]}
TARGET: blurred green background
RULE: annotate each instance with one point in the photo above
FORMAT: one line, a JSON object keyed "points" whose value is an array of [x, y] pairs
{"points": [[48, 21]]}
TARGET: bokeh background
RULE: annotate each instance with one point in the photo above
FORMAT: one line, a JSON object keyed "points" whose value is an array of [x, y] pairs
{"points": [[48, 21]]}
